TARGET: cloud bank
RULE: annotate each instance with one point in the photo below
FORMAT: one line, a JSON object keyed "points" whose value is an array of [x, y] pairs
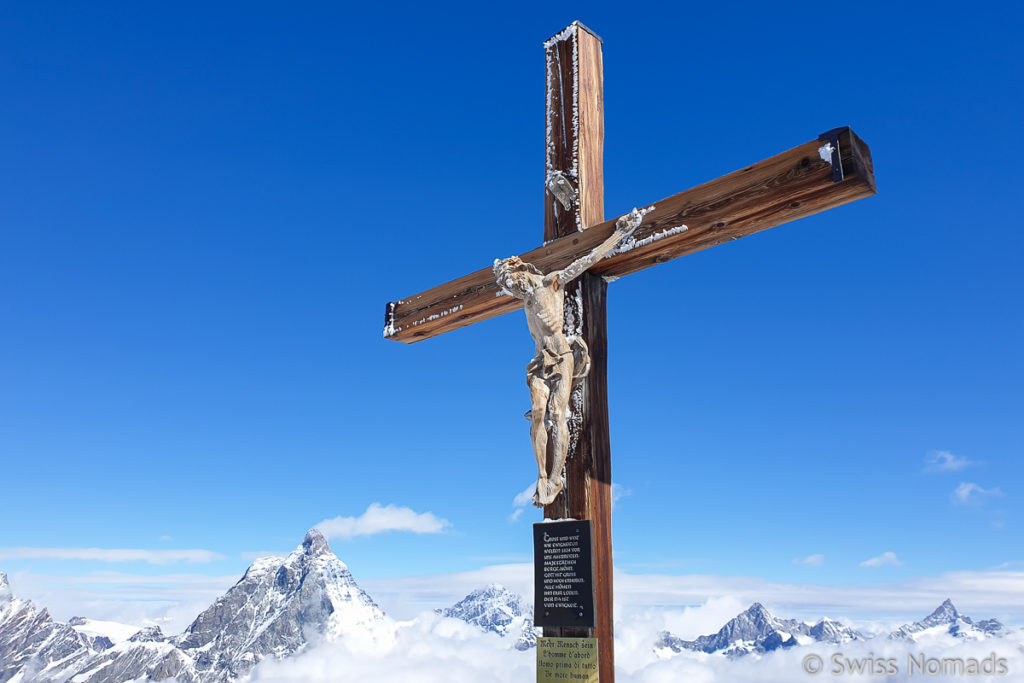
{"points": [[428, 650], [998, 593], [111, 555], [431, 648], [173, 600]]}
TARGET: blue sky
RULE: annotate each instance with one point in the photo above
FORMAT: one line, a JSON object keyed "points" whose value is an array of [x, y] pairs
{"points": [[206, 207]]}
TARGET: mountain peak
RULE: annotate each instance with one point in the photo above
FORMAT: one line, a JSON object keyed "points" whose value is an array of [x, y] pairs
{"points": [[315, 543], [494, 590], [758, 614], [149, 634], [943, 613], [499, 610], [5, 588], [947, 618], [276, 609]]}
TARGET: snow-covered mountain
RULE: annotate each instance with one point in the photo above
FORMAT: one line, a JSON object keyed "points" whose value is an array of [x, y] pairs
{"points": [[29, 638], [277, 608], [147, 655], [282, 605], [497, 610], [101, 635], [758, 630], [946, 619]]}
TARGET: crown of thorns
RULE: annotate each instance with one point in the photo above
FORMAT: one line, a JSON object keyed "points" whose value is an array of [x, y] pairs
{"points": [[515, 263]]}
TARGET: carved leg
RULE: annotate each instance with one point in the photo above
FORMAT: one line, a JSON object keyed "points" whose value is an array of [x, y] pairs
{"points": [[558, 407], [539, 393]]}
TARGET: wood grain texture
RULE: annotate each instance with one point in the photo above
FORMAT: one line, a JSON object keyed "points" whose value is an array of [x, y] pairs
{"points": [[785, 187], [574, 141], [588, 488], [574, 148]]}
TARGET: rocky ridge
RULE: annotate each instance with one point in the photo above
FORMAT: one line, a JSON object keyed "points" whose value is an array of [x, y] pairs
{"points": [[497, 610], [276, 609]]}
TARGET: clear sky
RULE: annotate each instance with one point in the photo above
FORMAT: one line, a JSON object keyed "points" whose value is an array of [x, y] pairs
{"points": [[205, 206]]}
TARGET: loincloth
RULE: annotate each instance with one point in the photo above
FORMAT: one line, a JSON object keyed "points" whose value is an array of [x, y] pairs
{"points": [[551, 365]]}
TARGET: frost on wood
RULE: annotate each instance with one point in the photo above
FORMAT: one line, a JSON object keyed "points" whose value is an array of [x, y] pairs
{"points": [[565, 34], [553, 63], [825, 152], [631, 243], [562, 359], [562, 189], [389, 319], [389, 325]]}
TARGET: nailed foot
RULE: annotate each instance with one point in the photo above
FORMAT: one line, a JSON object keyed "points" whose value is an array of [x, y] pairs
{"points": [[547, 491]]}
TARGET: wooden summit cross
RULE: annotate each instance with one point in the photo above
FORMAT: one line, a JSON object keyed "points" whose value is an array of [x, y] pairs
{"points": [[826, 172]]}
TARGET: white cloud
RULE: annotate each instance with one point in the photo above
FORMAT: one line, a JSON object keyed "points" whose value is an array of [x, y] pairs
{"points": [[967, 493], [380, 518], [811, 560], [981, 593], [525, 497], [883, 560], [1009, 565], [428, 650], [251, 556], [523, 500], [431, 649], [111, 555], [944, 461], [688, 605], [618, 493], [171, 601], [405, 597]]}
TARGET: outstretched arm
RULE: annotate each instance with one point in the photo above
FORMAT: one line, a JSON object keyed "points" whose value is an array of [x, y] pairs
{"points": [[624, 227]]}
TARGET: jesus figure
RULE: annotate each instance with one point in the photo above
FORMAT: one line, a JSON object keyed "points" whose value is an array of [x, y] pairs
{"points": [[560, 362]]}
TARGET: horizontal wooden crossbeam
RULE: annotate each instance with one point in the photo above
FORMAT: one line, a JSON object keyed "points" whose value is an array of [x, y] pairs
{"points": [[833, 170]]}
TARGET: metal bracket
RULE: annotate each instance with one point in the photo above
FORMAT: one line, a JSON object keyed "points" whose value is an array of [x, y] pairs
{"points": [[832, 137], [562, 189]]}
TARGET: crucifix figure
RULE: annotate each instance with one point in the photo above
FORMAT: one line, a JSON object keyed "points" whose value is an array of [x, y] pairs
{"points": [[561, 362], [828, 171]]}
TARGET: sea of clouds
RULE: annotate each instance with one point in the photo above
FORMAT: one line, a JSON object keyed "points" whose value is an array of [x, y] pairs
{"points": [[430, 648]]}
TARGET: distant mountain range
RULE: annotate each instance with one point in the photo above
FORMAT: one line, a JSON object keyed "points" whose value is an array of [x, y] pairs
{"points": [[946, 619], [273, 611], [283, 605], [277, 609], [756, 630]]}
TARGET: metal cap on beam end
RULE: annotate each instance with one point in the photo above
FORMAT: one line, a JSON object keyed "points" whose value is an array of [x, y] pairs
{"points": [[832, 137]]}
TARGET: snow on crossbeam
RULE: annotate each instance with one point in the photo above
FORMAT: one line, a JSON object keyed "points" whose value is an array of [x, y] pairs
{"points": [[791, 185]]}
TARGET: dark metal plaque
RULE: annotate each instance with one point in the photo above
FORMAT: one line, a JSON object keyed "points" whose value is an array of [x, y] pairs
{"points": [[563, 568]]}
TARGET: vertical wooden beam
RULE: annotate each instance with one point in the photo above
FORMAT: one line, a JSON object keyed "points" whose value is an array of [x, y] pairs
{"points": [[574, 159]]}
